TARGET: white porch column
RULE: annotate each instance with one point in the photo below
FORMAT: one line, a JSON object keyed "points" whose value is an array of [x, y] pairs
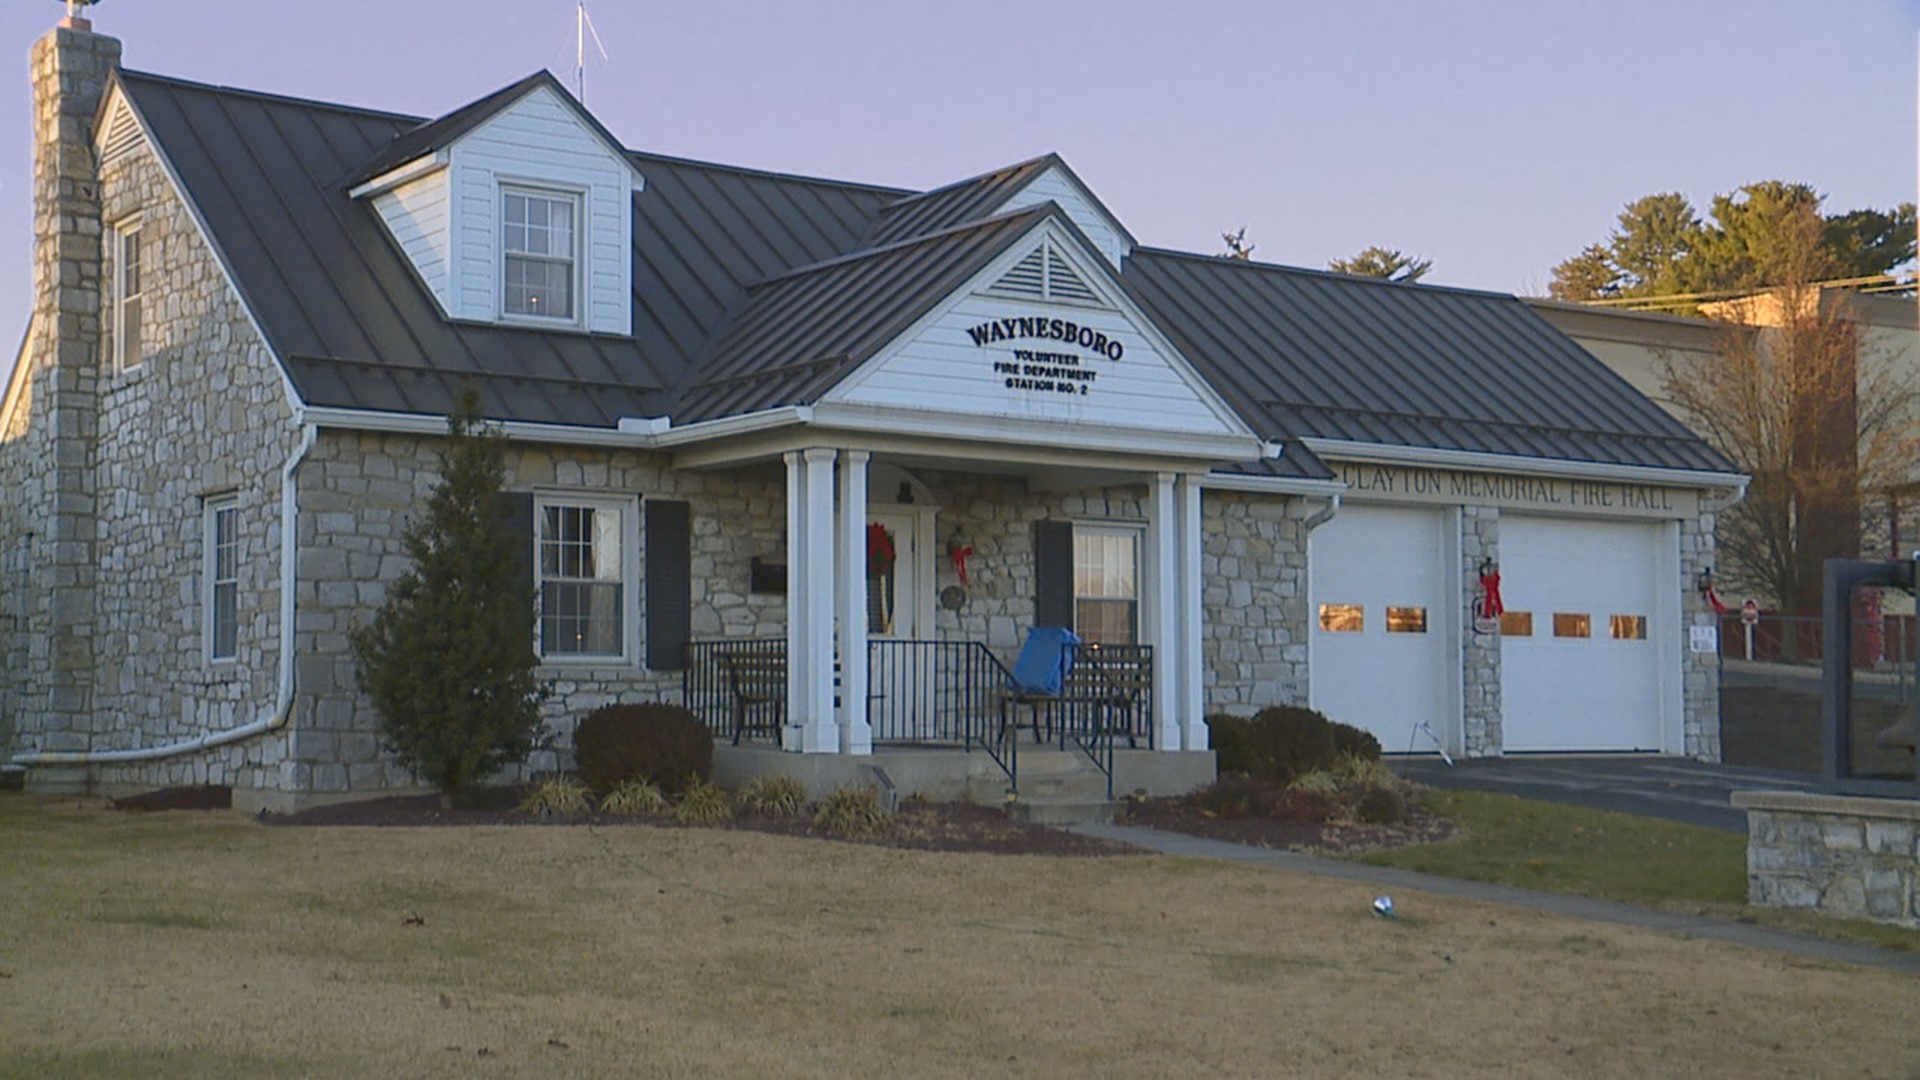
{"points": [[1190, 630], [820, 734], [1162, 614], [798, 669], [856, 730]]}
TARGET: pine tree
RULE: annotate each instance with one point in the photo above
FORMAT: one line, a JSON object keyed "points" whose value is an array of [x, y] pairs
{"points": [[1379, 262], [448, 659]]}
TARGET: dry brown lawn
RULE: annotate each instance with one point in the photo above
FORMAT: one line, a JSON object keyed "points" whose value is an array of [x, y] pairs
{"points": [[204, 945]]}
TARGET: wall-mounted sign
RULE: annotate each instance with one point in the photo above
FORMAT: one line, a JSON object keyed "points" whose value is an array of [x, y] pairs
{"points": [[1044, 371], [1547, 494], [1703, 639]]}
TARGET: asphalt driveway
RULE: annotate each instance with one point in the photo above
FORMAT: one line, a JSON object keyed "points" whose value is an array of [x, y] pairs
{"points": [[1673, 788]]}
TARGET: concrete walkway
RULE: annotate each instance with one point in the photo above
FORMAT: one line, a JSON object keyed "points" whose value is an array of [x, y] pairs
{"points": [[1691, 792], [1378, 879]]}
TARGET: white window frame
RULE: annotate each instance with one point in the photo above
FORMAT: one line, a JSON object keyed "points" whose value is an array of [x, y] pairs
{"points": [[627, 507], [1132, 530], [128, 229], [211, 581], [578, 258]]}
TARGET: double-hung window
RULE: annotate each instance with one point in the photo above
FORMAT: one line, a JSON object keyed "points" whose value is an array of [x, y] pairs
{"points": [[1106, 583], [583, 569], [128, 294], [540, 249], [221, 593]]}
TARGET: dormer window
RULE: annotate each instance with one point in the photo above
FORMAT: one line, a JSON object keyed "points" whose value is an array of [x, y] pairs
{"points": [[541, 253]]}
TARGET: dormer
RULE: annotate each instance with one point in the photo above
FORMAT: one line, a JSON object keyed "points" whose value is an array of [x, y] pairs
{"points": [[515, 210]]}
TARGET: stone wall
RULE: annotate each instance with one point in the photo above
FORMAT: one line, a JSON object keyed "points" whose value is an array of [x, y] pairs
{"points": [[1253, 574], [357, 494], [1835, 854], [112, 658]]}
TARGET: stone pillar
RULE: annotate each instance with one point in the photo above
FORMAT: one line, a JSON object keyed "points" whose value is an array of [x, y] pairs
{"points": [[856, 728], [1188, 627], [1481, 707], [799, 694], [820, 733], [71, 66], [1160, 616]]}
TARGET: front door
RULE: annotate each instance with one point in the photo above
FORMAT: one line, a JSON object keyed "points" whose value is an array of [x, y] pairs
{"points": [[900, 676]]}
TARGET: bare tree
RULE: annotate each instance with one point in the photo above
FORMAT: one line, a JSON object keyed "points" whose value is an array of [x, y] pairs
{"points": [[1790, 398]]}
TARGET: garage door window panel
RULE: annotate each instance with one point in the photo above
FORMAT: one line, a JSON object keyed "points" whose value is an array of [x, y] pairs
{"points": [[1516, 624], [1406, 620], [1627, 627], [1572, 624], [1343, 618]]}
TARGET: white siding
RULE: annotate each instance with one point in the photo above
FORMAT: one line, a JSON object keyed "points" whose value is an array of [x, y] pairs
{"points": [[540, 142], [416, 214], [1054, 186], [941, 368]]}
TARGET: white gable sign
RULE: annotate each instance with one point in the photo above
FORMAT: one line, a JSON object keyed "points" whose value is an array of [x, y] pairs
{"points": [[987, 353]]}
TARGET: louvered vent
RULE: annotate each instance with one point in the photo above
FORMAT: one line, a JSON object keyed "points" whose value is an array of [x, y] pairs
{"points": [[123, 133], [1064, 284], [1044, 275], [1027, 279]]}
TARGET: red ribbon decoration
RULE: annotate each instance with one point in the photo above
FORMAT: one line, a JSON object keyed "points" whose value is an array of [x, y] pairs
{"points": [[960, 555], [1713, 598], [1491, 606], [880, 554]]}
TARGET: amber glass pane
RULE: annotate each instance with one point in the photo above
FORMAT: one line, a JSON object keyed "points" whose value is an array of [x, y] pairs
{"points": [[1572, 624], [1516, 624], [1627, 627], [1343, 618], [1406, 620]]}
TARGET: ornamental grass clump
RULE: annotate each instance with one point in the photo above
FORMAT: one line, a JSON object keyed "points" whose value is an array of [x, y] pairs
{"points": [[775, 796], [634, 797], [852, 811], [704, 803], [557, 796]]}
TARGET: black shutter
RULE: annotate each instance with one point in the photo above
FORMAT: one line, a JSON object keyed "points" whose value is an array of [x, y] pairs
{"points": [[669, 532], [1053, 573], [515, 512]]}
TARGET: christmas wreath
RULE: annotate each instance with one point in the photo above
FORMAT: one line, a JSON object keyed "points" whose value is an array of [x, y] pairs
{"points": [[880, 553]]}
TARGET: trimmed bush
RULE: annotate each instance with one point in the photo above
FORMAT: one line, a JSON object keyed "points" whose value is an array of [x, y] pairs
{"points": [[775, 796], [663, 745], [1230, 736], [1355, 742], [634, 797], [852, 811], [704, 804]]}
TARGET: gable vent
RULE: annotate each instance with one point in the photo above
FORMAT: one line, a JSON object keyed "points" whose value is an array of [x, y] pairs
{"points": [[1045, 275], [123, 134]]}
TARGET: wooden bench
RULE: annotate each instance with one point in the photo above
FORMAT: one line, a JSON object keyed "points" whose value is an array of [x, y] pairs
{"points": [[1104, 692], [756, 682]]}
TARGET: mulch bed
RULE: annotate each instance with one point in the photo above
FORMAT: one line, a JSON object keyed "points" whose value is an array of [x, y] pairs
{"points": [[1314, 837], [921, 826]]}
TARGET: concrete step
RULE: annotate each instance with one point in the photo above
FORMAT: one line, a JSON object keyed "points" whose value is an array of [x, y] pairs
{"points": [[1046, 775], [1097, 811]]}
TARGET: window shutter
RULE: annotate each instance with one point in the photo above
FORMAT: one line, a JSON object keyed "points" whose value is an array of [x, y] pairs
{"points": [[669, 534], [1053, 573], [515, 514]]}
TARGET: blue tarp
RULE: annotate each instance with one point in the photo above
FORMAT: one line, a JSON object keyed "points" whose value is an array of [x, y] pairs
{"points": [[1042, 668]]}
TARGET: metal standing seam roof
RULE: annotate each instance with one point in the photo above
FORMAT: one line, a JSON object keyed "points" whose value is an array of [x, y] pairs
{"points": [[1304, 353], [798, 334], [338, 301], [752, 289]]}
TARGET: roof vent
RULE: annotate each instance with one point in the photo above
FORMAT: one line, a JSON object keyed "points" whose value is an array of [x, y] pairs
{"points": [[1045, 275]]}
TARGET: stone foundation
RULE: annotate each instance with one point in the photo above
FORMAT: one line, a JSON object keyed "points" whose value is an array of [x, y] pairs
{"points": [[1836, 854]]}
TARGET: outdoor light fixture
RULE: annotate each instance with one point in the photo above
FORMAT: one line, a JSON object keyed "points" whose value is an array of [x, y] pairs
{"points": [[905, 495], [1706, 579]]}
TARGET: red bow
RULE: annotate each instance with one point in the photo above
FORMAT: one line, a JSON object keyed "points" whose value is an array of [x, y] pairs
{"points": [[1491, 606]]}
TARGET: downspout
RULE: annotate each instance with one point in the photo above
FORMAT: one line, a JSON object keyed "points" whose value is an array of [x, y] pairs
{"points": [[283, 704], [1324, 514]]}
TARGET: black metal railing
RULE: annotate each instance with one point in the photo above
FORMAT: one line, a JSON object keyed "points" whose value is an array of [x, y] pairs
{"points": [[932, 693], [737, 686]]}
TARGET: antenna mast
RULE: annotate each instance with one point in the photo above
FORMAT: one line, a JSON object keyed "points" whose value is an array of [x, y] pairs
{"points": [[583, 29]]}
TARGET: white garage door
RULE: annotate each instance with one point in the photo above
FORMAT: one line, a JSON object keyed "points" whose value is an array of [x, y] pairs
{"points": [[1579, 648], [1380, 623]]}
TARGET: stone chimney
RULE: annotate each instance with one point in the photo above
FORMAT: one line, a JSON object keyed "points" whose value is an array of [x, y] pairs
{"points": [[70, 68]]}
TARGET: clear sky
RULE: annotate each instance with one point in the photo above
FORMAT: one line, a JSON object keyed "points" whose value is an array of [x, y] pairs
{"points": [[1495, 137]]}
